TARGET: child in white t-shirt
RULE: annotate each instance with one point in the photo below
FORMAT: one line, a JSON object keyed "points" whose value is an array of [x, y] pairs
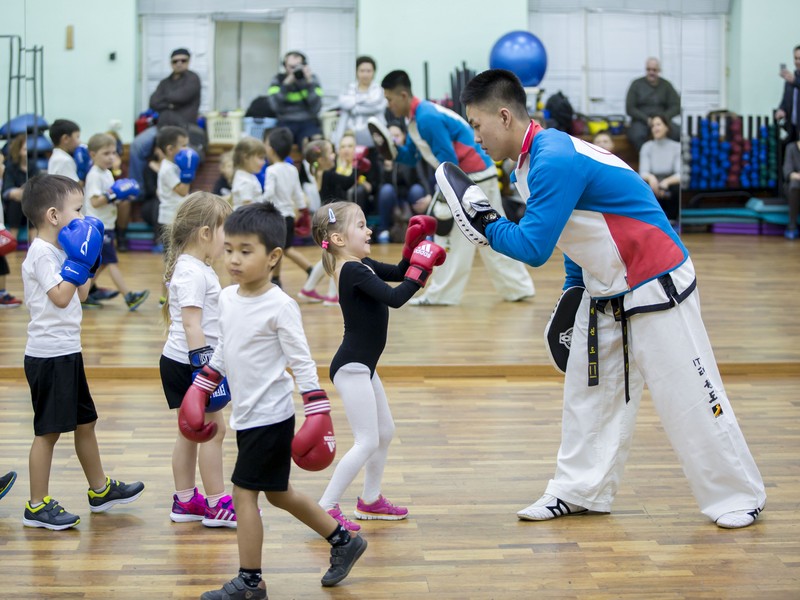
{"points": [[101, 195], [248, 159]]}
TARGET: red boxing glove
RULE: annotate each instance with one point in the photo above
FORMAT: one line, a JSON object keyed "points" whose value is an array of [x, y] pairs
{"points": [[425, 256], [314, 444], [302, 226], [361, 163], [8, 243], [419, 227], [192, 413]]}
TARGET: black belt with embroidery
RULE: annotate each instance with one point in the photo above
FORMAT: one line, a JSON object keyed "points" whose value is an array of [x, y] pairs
{"points": [[621, 315]]}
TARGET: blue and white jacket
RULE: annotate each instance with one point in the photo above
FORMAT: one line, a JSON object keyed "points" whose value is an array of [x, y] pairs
{"points": [[598, 211]]}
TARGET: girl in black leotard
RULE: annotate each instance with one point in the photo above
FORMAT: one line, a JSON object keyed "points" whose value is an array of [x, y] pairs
{"points": [[365, 297]]}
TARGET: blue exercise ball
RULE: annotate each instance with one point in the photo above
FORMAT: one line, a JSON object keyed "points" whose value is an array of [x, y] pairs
{"points": [[523, 54]]}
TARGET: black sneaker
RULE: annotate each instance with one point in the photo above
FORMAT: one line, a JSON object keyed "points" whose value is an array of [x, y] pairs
{"points": [[342, 560], [49, 515], [7, 482], [237, 589], [115, 492], [104, 294], [134, 299], [122, 241], [91, 302]]}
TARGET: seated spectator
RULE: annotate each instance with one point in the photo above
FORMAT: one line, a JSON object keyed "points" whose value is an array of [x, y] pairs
{"points": [[345, 159], [402, 193], [177, 101], [18, 171], [660, 166], [224, 185], [363, 99], [604, 140], [295, 96], [649, 96], [6, 300], [149, 199], [791, 177]]}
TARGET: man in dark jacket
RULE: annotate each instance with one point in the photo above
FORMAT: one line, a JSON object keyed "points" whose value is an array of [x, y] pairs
{"points": [[649, 96], [177, 101], [789, 110]]}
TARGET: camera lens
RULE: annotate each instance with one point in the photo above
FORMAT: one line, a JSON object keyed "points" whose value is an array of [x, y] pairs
{"points": [[299, 73]]}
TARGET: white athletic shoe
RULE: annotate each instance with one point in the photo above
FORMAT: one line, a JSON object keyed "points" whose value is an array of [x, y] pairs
{"points": [[549, 507], [738, 518]]}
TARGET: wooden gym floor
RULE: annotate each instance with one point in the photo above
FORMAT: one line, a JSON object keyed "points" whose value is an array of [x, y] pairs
{"points": [[477, 409]]}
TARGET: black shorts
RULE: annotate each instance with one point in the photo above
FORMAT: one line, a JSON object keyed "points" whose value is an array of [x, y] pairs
{"points": [[59, 393], [289, 232], [4, 270], [109, 251], [265, 457], [176, 378]]}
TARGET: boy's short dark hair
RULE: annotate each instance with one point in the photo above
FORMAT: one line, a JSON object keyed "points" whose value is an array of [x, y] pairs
{"points": [[496, 86], [280, 140], [168, 136], [60, 128], [395, 80], [43, 191], [261, 219]]}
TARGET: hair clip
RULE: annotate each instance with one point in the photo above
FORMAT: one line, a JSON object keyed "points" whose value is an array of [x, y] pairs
{"points": [[324, 244], [331, 216]]}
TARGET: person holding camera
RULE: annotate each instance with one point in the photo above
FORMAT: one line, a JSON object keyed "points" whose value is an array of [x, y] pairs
{"points": [[295, 96]]}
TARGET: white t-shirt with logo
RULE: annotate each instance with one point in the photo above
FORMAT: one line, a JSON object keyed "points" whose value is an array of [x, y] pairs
{"points": [[193, 283], [52, 331]]}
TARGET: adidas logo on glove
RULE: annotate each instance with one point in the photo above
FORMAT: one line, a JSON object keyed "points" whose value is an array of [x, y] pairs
{"points": [[330, 441], [424, 250]]}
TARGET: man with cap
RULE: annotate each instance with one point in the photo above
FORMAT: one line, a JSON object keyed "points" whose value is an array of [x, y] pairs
{"points": [[176, 100]]}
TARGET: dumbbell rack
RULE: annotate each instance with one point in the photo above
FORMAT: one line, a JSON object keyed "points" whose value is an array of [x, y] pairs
{"points": [[730, 155]]}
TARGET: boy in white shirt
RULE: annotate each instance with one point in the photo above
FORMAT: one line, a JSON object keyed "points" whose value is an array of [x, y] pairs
{"points": [[66, 137], [101, 194], [60, 262], [175, 176], [260, 335], [283, 189]]}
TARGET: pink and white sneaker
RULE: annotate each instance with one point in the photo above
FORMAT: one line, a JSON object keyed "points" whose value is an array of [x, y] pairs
{"points": [[193, 510], [343, 521], [310, 296], [381, 509], [330, 301], [221, 515]]}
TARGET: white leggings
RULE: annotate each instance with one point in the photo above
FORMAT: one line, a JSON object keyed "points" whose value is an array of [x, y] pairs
{"points": [[368, 413]]}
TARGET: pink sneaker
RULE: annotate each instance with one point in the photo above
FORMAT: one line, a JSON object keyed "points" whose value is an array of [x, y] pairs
{"points": [[331, 300], [381, 509], [337, 514], [193, 510], [310, 296], [222, 515]]}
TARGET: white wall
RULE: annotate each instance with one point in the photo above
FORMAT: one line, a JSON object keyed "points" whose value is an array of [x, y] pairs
{"points": [[402, 34], [762, 36], [81, 84]]}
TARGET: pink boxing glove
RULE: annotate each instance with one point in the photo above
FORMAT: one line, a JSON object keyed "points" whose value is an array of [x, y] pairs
{"points": [[314, 444], [419, 227], [425, 256], [192, 413]]}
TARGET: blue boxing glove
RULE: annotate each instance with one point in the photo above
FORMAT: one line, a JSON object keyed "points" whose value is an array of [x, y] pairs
{"points": [[83, 162], [97, 224], [123, 189], [82, 243], [187, 161], [199, 358]]}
